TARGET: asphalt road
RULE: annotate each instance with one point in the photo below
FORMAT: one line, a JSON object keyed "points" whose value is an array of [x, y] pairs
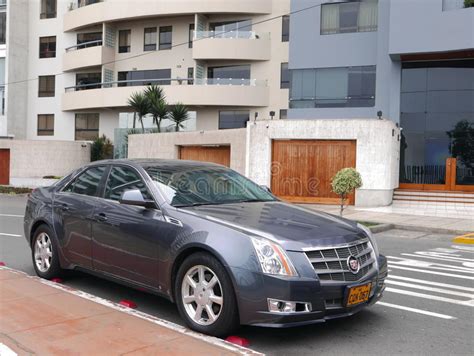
{"points": [[427, 308]]}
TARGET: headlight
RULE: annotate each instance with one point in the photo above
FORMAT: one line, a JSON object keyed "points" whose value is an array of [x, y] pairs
{"points": [[371, 238], [272, 258]]}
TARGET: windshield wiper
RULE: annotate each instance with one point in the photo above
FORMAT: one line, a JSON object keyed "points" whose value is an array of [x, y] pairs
{"points": [[193, 204]]}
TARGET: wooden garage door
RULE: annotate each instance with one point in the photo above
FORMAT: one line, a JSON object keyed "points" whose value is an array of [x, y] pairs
{"points": [[4, 166], [214, 154], [302, 169]]}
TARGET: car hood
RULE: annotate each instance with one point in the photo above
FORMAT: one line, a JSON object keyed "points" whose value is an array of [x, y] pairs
{"points": [[294, 227]]}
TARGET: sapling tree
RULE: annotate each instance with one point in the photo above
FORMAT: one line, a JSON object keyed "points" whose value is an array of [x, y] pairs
{"points": [[344, 183]]}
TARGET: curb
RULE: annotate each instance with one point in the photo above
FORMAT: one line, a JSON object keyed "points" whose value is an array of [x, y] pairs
{"points": [[381, 227], [467, 239]]}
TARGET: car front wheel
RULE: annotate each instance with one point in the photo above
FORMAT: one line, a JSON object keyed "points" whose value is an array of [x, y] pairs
{"points": [[205, 295], [45, 253]]}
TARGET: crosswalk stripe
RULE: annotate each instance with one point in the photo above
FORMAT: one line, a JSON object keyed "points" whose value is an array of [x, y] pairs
{"points": [[430, 289], [12, 235], [422, 281], [468, 303], [414, 310], [467, 249], [430, 272], [428, 264], [450, 259]]}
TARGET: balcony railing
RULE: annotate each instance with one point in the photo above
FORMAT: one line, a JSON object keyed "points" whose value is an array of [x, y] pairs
{"points": [[84, 45], [169, 81], [249, 35], [81, 3]]}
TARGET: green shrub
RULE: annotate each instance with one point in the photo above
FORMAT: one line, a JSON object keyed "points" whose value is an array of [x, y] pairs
{"points": [[345, 182], [468, 3], [101, 148]]}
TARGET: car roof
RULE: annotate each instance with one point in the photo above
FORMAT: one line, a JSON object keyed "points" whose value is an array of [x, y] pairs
{"points": [[168, 164]]}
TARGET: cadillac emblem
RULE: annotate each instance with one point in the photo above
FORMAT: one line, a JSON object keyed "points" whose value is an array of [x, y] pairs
{"points": [[353, 264]]}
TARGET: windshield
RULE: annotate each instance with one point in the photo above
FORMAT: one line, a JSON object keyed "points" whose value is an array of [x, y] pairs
{"points": [[206, 186]]}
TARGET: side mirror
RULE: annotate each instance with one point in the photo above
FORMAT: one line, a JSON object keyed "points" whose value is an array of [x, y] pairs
{"points": [[135, 197], [266, 188]]}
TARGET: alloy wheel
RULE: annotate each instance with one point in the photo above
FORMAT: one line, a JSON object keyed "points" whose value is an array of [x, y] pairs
{"points": [[43, 252], [202, 295]]}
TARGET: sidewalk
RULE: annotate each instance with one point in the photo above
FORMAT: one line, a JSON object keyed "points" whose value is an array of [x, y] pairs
{"points": [[46, 318], [417, 222]]}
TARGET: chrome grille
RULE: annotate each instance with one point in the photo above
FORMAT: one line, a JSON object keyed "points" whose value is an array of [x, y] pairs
{"points": [[330, 263]]}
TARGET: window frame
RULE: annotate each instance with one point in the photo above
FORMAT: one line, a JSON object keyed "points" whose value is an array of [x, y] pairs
{"points": [[149, 30], [44, 53], [100, 187], [142, 178], [163, 46], [44, 131], [3, 27], [44, 14], [191, 35], [129, 46], [284, 84], [233, 111], [87, 124], [285, 28], [46, 93]]}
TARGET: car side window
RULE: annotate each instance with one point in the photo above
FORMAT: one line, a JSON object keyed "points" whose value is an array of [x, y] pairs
{"points": [[122, 179], [87, 183]]}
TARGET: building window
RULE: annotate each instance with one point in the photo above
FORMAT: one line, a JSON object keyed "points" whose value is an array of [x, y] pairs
{"points": [[166, 37], [359, 16], [46, 125], [47, 47], [333, 87], [46, 85], [87, 127], [86, 81], [145, 77], [231, 29], [191, 75], [229, 75], [284, 76], [48, 9], [125, 41], [90, 39], [191, 35], [283, 114], [3, 27], [150, 39], [233, 119], [285, 28]]}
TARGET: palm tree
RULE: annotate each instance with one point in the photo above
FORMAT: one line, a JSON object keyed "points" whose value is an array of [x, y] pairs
{"points": [[179, 114], [140, 104], [158, 106]]}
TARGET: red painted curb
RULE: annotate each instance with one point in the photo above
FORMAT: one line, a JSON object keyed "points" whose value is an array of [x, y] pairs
{"points": [[57, 280], [237, 340], [128, 304], [2, 264]]}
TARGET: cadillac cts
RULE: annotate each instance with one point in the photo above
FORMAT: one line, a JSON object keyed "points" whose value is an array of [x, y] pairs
{"points": [[224, 249]]}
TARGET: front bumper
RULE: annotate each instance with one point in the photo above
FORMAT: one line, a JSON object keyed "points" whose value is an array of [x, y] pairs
{"points": [[326, 299]]}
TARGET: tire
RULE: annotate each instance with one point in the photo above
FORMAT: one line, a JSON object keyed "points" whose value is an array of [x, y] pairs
{"points": [[44, 253], [226, 318]]}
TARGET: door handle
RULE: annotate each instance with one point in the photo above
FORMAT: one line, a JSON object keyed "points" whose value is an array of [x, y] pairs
{"points": [[63, 207], [100, 217]]}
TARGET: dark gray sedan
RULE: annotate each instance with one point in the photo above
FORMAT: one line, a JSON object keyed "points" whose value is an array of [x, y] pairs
{"points": [[223, 248]]}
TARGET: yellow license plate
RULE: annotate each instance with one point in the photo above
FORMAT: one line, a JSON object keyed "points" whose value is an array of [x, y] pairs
{"points": [[359, 294]]}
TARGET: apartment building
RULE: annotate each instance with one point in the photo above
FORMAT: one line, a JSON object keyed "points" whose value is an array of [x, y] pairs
{"points": [[409, 63], [3, 50], [225, 60]]}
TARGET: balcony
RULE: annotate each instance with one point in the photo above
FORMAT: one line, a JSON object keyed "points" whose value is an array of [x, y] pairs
{"points": [[88, 54], [115, 10], [235, 45], [204, 92]]}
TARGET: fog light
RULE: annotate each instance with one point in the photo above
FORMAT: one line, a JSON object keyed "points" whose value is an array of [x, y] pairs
{"points": [[282, 306]]}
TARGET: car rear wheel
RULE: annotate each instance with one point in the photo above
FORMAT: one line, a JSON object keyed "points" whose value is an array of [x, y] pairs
{"points": [[45, 253], [205, 295]]}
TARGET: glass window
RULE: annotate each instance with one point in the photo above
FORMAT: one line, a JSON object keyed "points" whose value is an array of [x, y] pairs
{"points": [[285, 28], [87, 127], [145, 77], [122, 179], [283, 114], [150, 39], [233, 119], [46, 125], [191, 75], [229, 72], [284, 76], [87, 183], [87, 81], [94, 37], [3, 27], [333, 87], [212, 185], [166, 37], [345, 17], [47, 47], [125, 41], [191, 35], [231, 29], [48, 9], [46, 85]]}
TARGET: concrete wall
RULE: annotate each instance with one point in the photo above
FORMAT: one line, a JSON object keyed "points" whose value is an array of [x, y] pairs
{"points": [[377, 155], [36, 159], [166, 145]]}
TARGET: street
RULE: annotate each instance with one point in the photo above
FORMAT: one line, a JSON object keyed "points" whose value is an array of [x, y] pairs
{"points": [[427, 307]]}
